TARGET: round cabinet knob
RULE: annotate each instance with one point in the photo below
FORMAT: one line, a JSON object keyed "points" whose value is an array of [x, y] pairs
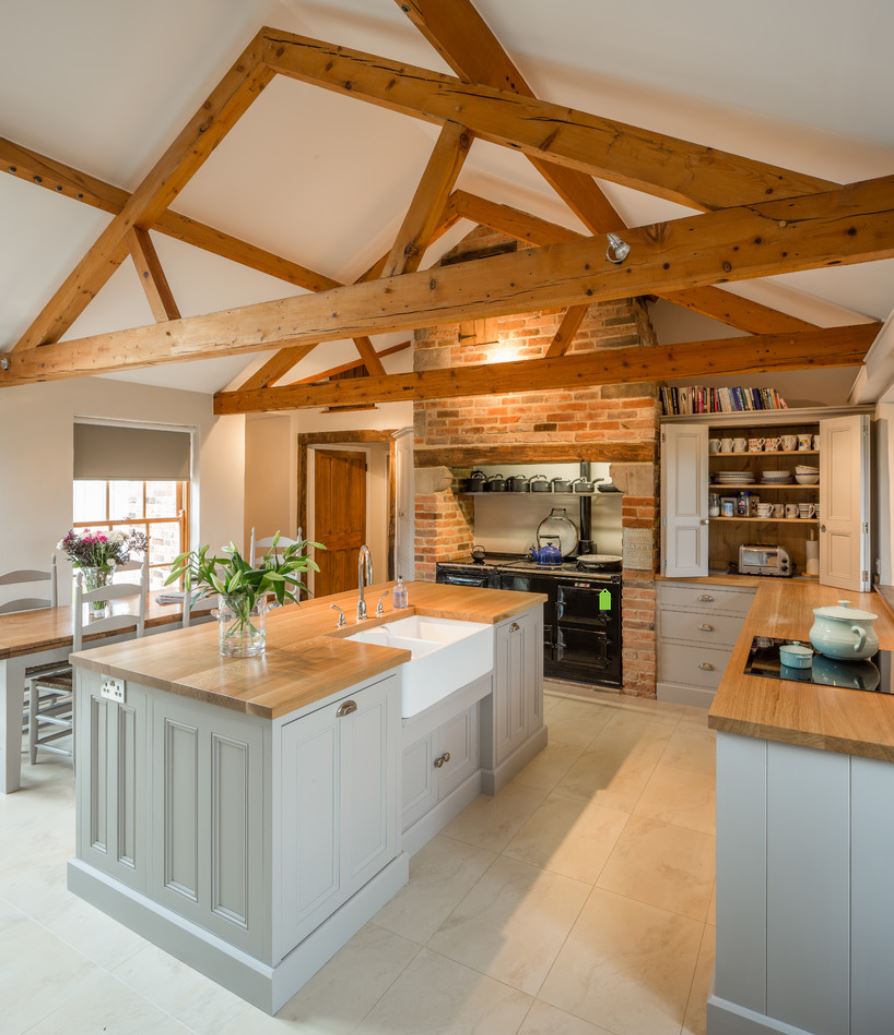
{"points": [[442, 760], [706, 666], [515, 627], [822, 528], [704, 521]]}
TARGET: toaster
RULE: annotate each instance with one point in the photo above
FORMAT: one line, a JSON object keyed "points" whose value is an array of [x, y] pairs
{"points": [[765, 560]]}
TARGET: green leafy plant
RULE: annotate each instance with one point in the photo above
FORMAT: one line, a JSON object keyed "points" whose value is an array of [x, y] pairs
{"points": [[242, 588]]}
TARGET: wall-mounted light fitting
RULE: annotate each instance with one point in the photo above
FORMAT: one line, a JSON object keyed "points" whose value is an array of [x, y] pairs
{"points": [[617, 250]]}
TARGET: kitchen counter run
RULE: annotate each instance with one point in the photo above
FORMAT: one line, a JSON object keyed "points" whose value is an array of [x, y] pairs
{"points": [[850, 722], [307, 659]]}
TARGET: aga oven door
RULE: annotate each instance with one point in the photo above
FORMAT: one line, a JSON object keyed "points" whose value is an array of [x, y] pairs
{"points": [[586, 654], [583, 602]]}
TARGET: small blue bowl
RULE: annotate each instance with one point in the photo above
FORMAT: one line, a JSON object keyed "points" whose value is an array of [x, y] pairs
{"points": [[794, 655]]}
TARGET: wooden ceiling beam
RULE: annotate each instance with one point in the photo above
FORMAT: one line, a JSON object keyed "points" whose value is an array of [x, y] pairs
{"points": [[367, 352], [59, 178], [691, 174], [229, 99], [854, 224], [831, 347], [464, 40], [277, 366], [344, 368], [152, 276], [728, 308], [427, 207], [565, 332]]}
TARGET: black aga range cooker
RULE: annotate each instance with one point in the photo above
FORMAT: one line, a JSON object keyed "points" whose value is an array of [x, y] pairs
{"points": [[582, 617]]}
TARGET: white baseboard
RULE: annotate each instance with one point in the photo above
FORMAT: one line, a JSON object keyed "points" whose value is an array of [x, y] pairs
{"points": [[493, 780], [264, 986], [677, 693], [424, 829]]}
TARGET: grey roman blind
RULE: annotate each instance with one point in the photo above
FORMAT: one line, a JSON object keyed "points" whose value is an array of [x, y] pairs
{"points": [[105, 452]]}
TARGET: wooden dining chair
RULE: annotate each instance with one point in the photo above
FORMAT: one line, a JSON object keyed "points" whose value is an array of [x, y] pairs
{"points": [[51, 713]]}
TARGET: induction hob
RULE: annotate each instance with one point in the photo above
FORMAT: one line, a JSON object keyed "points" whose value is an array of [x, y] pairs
{"points": [[873, 674]]}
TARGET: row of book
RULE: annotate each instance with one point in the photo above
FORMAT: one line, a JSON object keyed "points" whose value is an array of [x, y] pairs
{"points": [[698, 399]]}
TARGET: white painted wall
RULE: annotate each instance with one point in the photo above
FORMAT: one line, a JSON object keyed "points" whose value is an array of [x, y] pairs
{"points": [[36, 458], [270, 476]]}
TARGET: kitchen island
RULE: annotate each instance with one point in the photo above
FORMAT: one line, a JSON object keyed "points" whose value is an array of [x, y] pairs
{"points": [[249, 815], [805, 836]]}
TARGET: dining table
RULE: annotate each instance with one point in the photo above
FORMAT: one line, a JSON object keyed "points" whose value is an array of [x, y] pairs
{"points": [[32, 638]]}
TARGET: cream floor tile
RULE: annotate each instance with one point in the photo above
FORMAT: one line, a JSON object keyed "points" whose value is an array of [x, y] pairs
{"points": [[680, 796], [662, 865], [696, 716], [544, 1019], [198, 1002], [340, 995], [691, 747], [100, 1003], [436, 996], [491, 822], [550, 765], [695, 1022], [569, 836], [512, 923], [577, 724], [615, 769], [38, 972], [95, 935], [441, 874], [626, 966]]}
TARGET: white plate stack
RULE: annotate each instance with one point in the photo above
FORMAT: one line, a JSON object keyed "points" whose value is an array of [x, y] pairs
{"points": [[734, 477], [776, 477]]}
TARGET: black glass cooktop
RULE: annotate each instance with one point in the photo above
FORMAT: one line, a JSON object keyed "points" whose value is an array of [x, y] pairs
{"points": [[873, 674]]}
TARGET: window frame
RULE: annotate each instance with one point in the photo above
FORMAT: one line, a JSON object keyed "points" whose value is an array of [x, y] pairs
{"points": [[143, 523]]}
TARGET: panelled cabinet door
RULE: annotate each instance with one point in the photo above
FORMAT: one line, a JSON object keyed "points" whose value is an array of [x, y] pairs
{"points": [[844, 502], [516, 679], [684, 500], [419, 784], [458, 738], [369, 784]]}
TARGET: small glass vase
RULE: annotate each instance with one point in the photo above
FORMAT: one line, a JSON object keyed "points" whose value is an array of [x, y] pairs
{"points": [[96, 578], [241, 631]]}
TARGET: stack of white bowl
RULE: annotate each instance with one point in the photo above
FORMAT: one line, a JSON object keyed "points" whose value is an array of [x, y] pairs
{"points": [[776, 477], [806, 475]]}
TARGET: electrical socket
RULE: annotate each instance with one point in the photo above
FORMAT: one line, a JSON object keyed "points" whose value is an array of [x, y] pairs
{"points": [[112, 689]]}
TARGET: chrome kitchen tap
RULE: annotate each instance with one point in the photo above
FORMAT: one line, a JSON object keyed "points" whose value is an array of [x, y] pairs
{"points": [[364, 567]]}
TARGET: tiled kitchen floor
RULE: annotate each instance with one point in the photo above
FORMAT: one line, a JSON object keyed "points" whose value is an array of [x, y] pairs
{"points": [[578, 901]]}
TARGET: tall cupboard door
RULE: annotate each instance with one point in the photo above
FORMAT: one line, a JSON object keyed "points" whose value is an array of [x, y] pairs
{"points": [[684, 500], [518, 679], [844, 502]]}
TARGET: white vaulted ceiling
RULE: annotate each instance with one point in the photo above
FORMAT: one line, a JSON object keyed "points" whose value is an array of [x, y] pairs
{"points": [[105, 85]]}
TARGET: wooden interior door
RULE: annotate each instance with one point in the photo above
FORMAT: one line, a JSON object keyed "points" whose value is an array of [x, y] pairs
{"points": [[339, 517]]}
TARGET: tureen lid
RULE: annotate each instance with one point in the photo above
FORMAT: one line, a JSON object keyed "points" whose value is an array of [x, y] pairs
{"points": [[844, 612]]}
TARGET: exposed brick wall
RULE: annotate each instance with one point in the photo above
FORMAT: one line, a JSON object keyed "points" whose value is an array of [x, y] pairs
{"points": [[608, 413]]}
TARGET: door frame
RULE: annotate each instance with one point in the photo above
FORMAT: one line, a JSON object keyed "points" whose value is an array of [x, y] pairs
{"points": [[363, 437]]}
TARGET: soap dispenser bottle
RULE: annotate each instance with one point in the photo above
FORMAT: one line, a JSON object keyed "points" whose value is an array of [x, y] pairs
{"points": [[400, 596]]}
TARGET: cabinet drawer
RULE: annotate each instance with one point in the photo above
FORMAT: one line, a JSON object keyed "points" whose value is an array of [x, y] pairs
{"points": [[693, 666], [706, 597], [700, 627]]}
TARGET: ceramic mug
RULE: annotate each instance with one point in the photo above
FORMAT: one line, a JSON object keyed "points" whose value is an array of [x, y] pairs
{"points": [[714, 445], [765, 510], [789, 443], [756, 445], [806, 510], [805, 441], [726, 445], [727, 507], [816, 442], [771, 445], [778, 510], [740, 445], [755, 503], [791, 510]]}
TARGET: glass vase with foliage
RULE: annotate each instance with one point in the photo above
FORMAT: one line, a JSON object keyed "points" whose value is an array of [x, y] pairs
{"points": [[246, 593]]}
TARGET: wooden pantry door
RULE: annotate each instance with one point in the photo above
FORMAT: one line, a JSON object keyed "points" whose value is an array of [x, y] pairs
{"points": [[339, 517]]}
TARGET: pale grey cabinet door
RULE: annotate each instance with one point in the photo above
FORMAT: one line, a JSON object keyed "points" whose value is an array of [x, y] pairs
{"points": [[111, 781], [518, 675], [459, 738], [370, 739], [419, 784], [311, 823], [208, 826], [844, 502], [684, 499]]}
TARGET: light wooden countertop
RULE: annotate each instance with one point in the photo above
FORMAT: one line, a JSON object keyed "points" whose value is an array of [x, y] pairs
{"points": [[307, 659], [851, 722]]}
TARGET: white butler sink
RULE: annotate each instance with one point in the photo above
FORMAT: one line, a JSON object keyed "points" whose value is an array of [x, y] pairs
{"points": [[446, 655]]}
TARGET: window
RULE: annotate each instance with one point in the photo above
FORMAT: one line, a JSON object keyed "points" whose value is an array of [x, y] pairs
{"points": [[160, 509]]}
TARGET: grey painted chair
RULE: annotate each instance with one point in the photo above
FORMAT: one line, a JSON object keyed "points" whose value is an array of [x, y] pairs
{"points": [[51, 712]]}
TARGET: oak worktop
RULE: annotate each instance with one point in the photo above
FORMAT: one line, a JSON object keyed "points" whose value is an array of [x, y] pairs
{"points": [[307, 658], [827, 718]]}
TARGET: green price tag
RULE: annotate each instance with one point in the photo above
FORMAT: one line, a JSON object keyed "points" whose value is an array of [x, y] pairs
{"points": [[605, 600]]}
